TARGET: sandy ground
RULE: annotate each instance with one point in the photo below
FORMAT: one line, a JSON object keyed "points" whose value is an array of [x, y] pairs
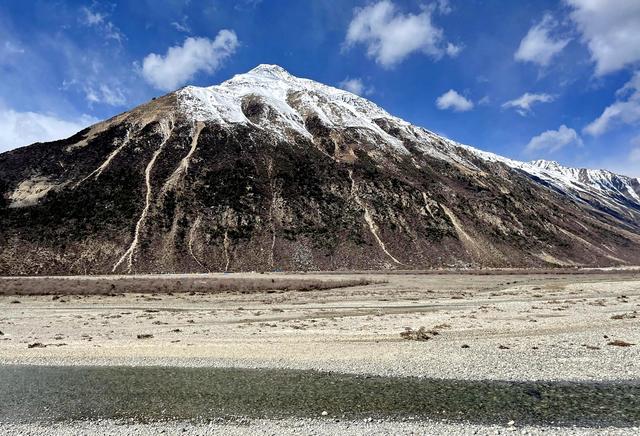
{"points": [[511, 327]]}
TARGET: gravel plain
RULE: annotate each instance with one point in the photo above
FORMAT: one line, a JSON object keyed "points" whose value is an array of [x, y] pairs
{"points": [[582, 327], [523, 327]]}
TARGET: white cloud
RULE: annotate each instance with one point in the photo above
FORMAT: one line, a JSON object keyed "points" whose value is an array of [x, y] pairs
{"points": [[11, 54], [524, 102], [625, 110], [100, 76], [181, 63], [634, 154], [355, 86], [444, 7], [553, 140], [454, 101], [182, 25], [109, 92], [390, 36], [100, 21], [247, 5], [539, 45], [105, 94], [10, 48], [92, 18], [484, 101], [610, 30], [453, 50], [23, 128]]}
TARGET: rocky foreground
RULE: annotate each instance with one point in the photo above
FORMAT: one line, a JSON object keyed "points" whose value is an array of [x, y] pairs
{"points": [[546, 327]]}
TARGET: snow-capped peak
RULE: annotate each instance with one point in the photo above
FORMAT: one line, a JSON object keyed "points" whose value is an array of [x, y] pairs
{"points": [[292, 99], [272, 70]]}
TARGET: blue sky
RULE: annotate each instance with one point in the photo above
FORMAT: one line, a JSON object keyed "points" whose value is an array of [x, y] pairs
{"points": [[526, 79]]}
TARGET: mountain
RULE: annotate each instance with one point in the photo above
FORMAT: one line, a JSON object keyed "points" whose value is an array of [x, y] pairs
{"points": [[268, 171], [614, 194]]}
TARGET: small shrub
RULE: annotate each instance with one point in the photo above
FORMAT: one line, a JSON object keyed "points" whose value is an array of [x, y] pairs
{"points": [[625, 316], [36, 345], [415, 335], [620, 343]]}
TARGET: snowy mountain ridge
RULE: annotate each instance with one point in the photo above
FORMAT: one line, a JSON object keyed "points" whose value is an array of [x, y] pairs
{"points": [[598, 179], [291, 100]]}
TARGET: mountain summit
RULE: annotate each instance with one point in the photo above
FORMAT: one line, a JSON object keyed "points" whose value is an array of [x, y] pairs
{"points": [[269, 171]]}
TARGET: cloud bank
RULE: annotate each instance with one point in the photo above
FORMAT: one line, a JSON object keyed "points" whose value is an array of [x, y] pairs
{"points": [[391, 36], [610, 30], [625, 110], [182, 62], [523, 103], [454, 101], [540, 45], [23, 128], [553, 140]]}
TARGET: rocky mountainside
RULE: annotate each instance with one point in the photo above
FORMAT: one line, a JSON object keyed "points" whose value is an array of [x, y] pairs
{"points": [[267, 171], [614, 194]]}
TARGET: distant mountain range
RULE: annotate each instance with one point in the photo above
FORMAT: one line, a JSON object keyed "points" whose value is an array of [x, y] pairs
{"points": [[268, 171]]}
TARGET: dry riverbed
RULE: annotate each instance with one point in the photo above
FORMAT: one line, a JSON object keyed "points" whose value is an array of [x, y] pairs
{"points": [[571, 327], [566, 327]]}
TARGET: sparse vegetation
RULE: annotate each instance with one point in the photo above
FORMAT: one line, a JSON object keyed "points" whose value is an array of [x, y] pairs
{"points": [[150, 285], [420, 334], [631, 315], [36, 345], [620, 343]]}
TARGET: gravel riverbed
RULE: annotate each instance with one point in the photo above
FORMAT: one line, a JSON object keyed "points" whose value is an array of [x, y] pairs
{"points": [[244, 427]]}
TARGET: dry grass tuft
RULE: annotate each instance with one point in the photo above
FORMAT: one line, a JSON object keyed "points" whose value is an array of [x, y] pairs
{"points": [[415, 335], [632, 315], [620, 343]]}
